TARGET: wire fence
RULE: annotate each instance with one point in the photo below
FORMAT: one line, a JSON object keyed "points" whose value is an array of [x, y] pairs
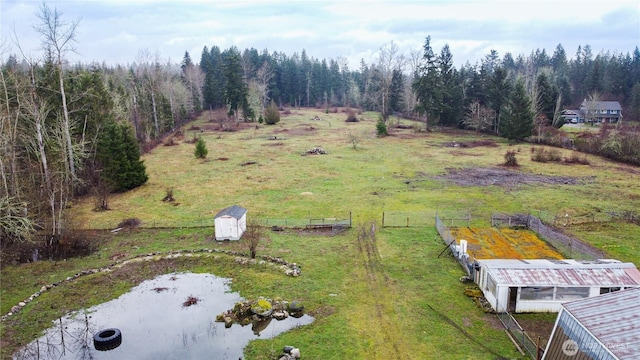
{"points": [[209, 222], [407, 218], [520, 336]]}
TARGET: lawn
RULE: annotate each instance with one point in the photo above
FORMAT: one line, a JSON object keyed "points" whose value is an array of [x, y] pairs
{"points": [[390, 296]]}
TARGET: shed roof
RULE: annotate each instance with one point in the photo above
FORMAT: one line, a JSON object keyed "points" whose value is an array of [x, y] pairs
{"points": [[234, 211], [613, 318], [606, 272]]}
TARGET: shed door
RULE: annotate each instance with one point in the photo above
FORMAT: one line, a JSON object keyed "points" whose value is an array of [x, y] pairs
{"points": [[513, 298]]}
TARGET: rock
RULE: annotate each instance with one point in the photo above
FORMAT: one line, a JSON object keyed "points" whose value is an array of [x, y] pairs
{"points": [[22, 304], [287, 349], [280, 315], [296, 306], [43, 289], [228, 322], [262, 307], [295, 353]]}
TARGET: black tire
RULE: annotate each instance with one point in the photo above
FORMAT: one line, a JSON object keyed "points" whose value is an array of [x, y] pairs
{"points": [[107, 339]]}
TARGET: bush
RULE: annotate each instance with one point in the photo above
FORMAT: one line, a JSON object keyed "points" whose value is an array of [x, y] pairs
{"points": [[201, 149], [381, 127], [351, 116], [575, 159], [510, 158], [542, 155], [271, 114]]}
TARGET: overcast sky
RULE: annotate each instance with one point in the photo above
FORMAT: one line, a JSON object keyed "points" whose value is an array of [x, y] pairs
{"points": [[114, 31]]}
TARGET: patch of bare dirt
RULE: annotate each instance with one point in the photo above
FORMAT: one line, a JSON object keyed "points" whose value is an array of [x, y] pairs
{"points": [[537, 327], [504, 177], [629, 169], [471, 144]]}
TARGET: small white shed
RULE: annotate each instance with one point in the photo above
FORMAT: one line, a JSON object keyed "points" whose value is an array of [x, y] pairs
{"points": [[543, 285], [230, 223]]}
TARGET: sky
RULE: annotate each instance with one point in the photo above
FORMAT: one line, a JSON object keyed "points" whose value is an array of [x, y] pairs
{"points": [[118, 31]]}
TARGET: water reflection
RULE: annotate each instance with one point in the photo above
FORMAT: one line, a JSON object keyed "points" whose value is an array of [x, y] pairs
{"points": [[156, 325]]}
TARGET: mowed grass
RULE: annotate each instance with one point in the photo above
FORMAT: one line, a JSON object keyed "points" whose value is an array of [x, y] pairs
{"points": [[405, 302]]}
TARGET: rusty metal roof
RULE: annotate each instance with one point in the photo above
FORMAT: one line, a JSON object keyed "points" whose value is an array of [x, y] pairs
{"points": [[613, 318], [605, 273]]}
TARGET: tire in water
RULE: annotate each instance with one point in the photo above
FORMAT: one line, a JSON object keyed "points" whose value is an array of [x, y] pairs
{"points": [[107, 339]]}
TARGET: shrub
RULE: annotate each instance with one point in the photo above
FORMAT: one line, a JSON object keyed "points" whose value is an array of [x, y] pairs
{"points": [[201, 149], [130, 223], [271, 114], [510, 158], [575, 159], [351, 116], [542, 155], [381, 127]]}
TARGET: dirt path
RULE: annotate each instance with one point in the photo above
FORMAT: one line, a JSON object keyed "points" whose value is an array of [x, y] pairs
{"points": [[380, 321]]}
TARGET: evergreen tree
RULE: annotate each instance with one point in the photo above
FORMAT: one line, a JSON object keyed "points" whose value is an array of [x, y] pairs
{"points": [[235, 88], [517, 122], [451, 111], [201, 149], [427, 84], [547, 96], [118, 156], [271, 114], [396, 93], [498, 89]]}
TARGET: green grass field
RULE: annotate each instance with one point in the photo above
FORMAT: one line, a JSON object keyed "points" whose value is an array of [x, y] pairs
{"points": [[402, 301]]}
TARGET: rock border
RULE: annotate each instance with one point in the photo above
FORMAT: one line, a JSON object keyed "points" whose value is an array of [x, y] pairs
{"points": [[290, 269]]}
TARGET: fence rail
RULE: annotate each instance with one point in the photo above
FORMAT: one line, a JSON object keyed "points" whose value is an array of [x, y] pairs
{"points": [[209, 222], [407, 218], [520, 335]]}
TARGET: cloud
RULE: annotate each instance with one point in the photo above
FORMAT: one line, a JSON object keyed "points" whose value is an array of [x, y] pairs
{"points": [[114, 31]]}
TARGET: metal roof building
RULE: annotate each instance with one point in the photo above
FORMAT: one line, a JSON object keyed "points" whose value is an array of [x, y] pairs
{"points": [[230, 223], [605, 327], [543, 285]]}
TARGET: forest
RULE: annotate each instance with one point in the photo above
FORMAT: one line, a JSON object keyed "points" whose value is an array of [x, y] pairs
{"points": [[71, 130]]}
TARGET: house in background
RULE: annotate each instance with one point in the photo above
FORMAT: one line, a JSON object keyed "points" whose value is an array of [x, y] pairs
{"points": [[605, 327], [543, 285], [572, 116], [594, 112], [230, 223], [600, 112]]}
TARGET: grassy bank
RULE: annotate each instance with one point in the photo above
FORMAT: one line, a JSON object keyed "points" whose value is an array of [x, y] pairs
{"points": [[391, 297]]}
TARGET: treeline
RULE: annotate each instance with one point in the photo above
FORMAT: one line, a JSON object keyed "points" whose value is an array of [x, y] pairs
{"points": [[389, 83], [75, 130]]}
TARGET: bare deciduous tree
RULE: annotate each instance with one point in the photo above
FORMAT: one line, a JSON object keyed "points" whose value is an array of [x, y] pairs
{"points": [[58, 38], [253, 235], [389, 59], [479, 118]]}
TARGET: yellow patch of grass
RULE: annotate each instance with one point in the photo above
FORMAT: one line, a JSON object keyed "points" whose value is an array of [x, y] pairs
{"points": [[494, 243]]}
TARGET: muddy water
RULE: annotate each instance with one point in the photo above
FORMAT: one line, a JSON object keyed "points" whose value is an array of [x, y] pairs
{"points": [[155, 324]]}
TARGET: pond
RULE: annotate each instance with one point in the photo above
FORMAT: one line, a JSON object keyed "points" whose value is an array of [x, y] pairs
{"points": [[156, 324]]}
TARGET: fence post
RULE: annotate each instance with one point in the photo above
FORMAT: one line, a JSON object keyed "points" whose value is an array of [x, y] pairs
{"points": [[349, 219], [383, 219]]}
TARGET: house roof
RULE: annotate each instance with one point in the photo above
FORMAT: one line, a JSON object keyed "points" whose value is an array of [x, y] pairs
{"points": [[233, 211], [602, 105], [604, 273], [613, 318]]}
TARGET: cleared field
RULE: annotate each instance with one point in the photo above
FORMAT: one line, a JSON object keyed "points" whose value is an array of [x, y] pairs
{"points": [[505, 243]]}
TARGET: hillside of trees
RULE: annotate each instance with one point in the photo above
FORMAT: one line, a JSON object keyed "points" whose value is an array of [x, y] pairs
{"points": [[72, 130]]}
